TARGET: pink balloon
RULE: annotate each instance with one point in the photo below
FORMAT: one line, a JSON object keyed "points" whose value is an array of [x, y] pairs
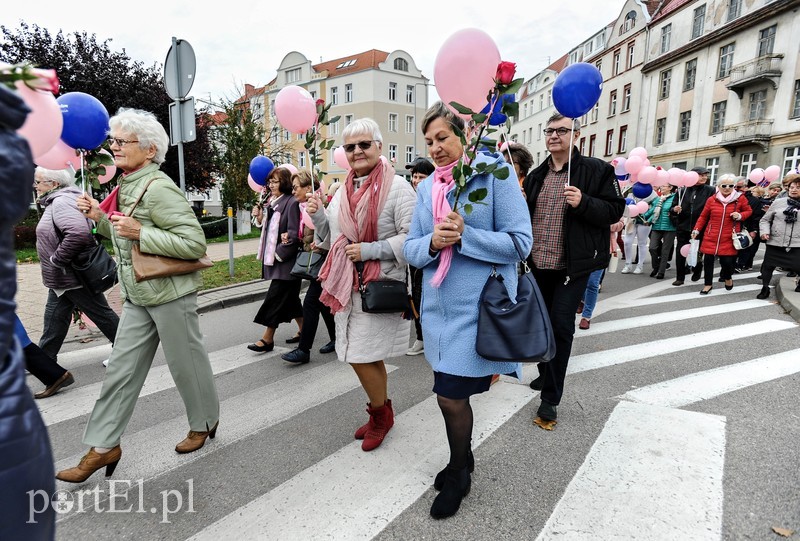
{"points": [[647, 175], [685, 249], [254, 186], [59, 157], [690, 178], [292, 169], [634, 164], [465, 68], [675, 176], [647, 162], [772, 173], [638, 151], [111, 170], [756, 175], [295, 109], [662, 178], [642, 206], [42, 127], [340, 158], [306, 219], [633, 210]]}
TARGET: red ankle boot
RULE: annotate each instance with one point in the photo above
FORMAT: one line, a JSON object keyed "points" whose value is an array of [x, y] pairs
{"points": [[382, 420]]}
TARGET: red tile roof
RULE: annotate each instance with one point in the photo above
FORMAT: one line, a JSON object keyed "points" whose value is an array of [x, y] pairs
{"points": [[667, 7], [363, 61]]}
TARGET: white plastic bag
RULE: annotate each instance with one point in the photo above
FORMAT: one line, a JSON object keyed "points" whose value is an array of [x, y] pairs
{"points": [[694, 250], [613, 263]]}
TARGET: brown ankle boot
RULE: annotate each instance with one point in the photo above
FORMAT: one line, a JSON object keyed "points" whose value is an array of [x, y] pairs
{"points": [[90, 463], [195, 440], [382, 419]]}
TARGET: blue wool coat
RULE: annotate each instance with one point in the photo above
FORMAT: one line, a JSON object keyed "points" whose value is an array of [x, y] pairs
{"points": [[450, 312]]}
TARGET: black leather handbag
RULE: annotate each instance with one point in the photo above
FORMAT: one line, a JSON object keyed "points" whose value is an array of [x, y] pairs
{"points": [[511, 331], [98, 271], [307, 265], [382, 296]]}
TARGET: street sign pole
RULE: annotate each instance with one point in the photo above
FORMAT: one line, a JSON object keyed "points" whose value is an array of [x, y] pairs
{"points": [[181, 173], [179, 71]]}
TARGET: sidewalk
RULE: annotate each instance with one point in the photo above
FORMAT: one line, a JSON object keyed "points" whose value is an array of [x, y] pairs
{"points": [[32, 294]]}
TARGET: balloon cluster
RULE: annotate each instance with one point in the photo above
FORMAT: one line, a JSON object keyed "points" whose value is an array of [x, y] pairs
{"points": [[765, 177], [260, 168]]}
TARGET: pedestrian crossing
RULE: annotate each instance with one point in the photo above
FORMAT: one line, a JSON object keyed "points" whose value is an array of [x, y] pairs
{"points": [[650, 466]]}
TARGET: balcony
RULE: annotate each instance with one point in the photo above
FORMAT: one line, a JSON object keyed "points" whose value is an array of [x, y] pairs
{"points": [[763, 68], [757, 132]]}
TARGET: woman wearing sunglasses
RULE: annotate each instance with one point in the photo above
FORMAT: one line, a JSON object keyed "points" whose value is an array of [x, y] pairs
{"points": [[721, 217], [780, 229], [366, 221]]}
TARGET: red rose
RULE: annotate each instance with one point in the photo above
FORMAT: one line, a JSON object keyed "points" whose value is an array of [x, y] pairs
{"points": [[505, 72], [320, 102], [44, 80]]}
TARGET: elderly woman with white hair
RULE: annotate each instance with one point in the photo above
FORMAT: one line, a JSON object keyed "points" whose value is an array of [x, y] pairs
{"points": [[366, 221], [63, 237], [154, 215]]}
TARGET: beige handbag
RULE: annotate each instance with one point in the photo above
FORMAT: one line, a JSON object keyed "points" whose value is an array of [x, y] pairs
{"points": [[148, 266]]}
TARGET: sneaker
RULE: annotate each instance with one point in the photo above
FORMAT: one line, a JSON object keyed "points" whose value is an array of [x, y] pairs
{"points": [[417, 348], [638, 270], [677, 283], [297, 356], [330, 347], [626, 269], [738, 270], [584, 324], [653, 273]]}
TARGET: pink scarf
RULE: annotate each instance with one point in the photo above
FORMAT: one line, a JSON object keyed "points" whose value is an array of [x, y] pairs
{"points": [[269, 237], [358, 222], [725, 200], [443, 182]]}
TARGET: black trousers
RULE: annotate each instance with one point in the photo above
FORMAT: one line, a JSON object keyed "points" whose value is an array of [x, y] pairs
{"points": [[416, 297], [312, 309], [42, 366], [726, 263], [561, 296]]}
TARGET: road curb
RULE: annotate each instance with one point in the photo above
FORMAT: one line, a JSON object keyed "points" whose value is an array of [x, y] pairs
{"points": [[788, 297]]}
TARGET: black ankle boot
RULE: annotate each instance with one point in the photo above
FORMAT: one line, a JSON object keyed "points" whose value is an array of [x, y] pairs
{"points": [[764, 293], [456, 486], [439, 481]]}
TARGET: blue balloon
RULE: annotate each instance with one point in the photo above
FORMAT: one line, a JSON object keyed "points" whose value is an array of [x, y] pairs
{"points": [[497, 117], [85, 121], [260, 168], [577, 89], [641, 190], [630, 201]]}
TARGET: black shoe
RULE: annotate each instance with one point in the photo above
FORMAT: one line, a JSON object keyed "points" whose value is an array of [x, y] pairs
{"points": [[537, 384], [797, 288], [262, 348], [653, 273], [705, 291], [660, 276], [729, 287], [677, 283], [294, 339], [330, 347], [791, 274], [547, 411], [696, 274], [296, 356], [438, 482], [669, 266], [764, 293], [456, 486]]}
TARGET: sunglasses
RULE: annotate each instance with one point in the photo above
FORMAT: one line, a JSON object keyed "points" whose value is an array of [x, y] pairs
{"points": [[351, 147], [726, 185]]}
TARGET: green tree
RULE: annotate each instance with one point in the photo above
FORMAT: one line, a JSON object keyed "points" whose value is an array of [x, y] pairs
{"points": [[85, 65], [238, 139]]}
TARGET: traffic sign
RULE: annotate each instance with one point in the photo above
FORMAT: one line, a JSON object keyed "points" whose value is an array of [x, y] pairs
{"points": [[179, 69], [182, 126]]}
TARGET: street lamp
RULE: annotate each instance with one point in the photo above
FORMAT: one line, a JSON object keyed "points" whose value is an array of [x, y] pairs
{"points": [[426, 85]]}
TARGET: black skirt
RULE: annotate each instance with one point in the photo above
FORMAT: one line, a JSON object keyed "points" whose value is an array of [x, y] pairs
{"points": [[281, 305], [775, 256], [459, 387]]}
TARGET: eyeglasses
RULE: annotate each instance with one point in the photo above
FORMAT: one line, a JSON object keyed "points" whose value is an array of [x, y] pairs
{"points": [[351, 147], [37, 182], [120, 142], [560, 131], [726, 185], [273, 182]]}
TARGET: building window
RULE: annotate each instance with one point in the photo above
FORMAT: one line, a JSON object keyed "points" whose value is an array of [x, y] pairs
{"points": [[630, 22], [766, 40], [609, 142], [592, 145], [333, 128], [623, 140], [631, 53], [549, 98], [681, 165], [409, 154], [612, 103], [615, 66], [409, 93], [663, 84], [392, 91], [698, 21], [347, 63], [334, 95], [348, 119], [626, 98], [684, 125], [287, 136], [393, 122], [581, 147], [748, 163], [539, 132], [541, 101], [409, 123], [292, 76], [734, 9], [661, 128], [718, 116], [301, 160], [690, 75], [401, 64], [595, 112], [796, 106], [712, 164], [791, 160], [725, 60], [393, 153], [599, 64], [348, 93], [666, 34], [758, 105]]}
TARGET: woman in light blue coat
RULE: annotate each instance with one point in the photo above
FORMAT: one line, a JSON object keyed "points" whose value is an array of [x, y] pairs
{"points": [[456, 251]]}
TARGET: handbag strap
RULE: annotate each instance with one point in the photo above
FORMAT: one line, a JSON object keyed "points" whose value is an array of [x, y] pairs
{"points": [[149, 182]]}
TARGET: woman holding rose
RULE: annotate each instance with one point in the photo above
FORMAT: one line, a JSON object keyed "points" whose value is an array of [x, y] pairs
{"points": [[457, 253]]}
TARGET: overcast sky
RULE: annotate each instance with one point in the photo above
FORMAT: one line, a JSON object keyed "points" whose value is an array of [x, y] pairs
{"points": [[244, 41]]}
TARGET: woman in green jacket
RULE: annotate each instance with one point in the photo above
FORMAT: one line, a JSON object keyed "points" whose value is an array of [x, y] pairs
{"points": [[156, 310], [663, 231]]}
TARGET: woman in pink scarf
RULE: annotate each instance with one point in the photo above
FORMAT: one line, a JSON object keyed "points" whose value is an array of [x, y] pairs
{"points": [[723, 214], [366, 221]]}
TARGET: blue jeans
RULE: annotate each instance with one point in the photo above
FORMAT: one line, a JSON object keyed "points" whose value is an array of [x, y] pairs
{"points": [[590, 295]]}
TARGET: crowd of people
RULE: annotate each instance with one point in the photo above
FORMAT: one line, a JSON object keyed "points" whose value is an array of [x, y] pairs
{"points": [[568, 213]]}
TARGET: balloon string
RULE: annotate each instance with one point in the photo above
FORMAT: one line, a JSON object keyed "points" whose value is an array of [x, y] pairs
{"points": [[83, 176], [569, 158]]}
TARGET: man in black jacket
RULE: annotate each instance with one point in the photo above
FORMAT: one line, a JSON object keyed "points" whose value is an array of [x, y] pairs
{"points": [[573, 200], [691, 201]]}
